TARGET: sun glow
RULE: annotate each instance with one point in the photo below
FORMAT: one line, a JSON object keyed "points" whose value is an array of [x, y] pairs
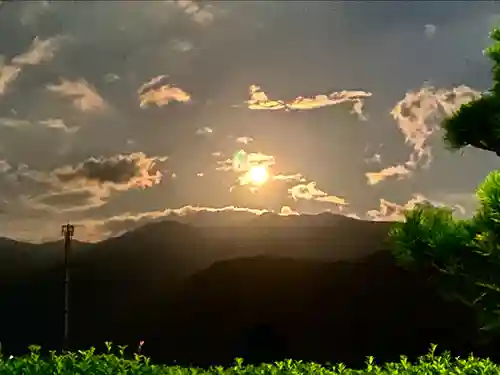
{"points": [[258, 175]]}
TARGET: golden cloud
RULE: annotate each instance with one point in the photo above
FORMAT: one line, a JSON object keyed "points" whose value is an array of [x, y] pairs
{"points": [[400, 171], [309, 191], [260, 101], [155, 92]]}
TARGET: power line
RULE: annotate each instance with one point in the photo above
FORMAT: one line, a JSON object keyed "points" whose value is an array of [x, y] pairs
{"points": [[67, 231]]}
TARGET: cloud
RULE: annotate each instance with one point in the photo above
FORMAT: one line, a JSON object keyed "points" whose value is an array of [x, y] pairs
{"points": [[53, 123], [13, 123], [32, 10], [390, 211], [156, 92], [375, 158], [120, 172], [202, 15], [254, 159], [305, 191], [83, 95], [287, 211], [8, 74], [244, 140], [119, 224], [309, 191], [400, 171], [289, 177], [69, 201], [260, 101], [40, 51], [90, 183], [430, 30], [181, 45], [419, 113], [204, 130], [4, 166], [111, 77], [56, 123], [418, 116]]}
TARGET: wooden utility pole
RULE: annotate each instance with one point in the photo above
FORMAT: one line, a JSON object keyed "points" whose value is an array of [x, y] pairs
{"points": [[67, 231]]}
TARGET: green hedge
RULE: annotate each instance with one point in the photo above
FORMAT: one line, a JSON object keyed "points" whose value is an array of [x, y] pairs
{"points": [[88, 362]]}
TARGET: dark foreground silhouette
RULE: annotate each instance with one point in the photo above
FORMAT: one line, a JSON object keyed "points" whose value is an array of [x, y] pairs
{"points": [[321, 288]]}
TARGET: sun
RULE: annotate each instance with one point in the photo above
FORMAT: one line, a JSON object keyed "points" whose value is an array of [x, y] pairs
{"points": [[258, 175]]}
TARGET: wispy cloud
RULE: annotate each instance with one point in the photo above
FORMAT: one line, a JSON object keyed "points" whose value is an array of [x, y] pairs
{"points": [[204, 130], [9, 122], [390, 211], [40, 51], [429, 30], [57, 123], [419, 113], [289, 177], [253, 159], [157, 92], [53, 123], [83, 95], [201, 14], [400, 171], [260, 101], [375, 158], [116, 225], [4, 166], [68, 201], [8, 74], [309, 191], [288, 211], [244, 140], [418, 116]]}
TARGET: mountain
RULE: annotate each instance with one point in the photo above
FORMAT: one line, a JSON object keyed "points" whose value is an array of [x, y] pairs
{"points": [[320, 287], [18, 259], [271, 308]]}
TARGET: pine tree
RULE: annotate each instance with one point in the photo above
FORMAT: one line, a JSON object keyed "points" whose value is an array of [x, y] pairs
{"points": [[463, 256]]}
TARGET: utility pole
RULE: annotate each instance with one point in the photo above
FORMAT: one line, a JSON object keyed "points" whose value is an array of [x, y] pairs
{"points": [[67, 231]]}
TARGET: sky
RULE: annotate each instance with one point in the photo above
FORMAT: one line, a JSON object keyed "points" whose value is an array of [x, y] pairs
{"points": [[113, 114]]}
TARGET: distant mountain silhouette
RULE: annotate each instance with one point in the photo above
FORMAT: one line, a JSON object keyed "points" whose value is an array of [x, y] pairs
{"points": [[321, 287]]}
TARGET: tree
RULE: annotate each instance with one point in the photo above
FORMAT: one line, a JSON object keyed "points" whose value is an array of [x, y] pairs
{"points": [[463, 256], [477, 123]]}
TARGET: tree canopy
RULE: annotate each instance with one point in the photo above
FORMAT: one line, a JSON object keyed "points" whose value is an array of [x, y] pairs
{"points": [[463, 256]]}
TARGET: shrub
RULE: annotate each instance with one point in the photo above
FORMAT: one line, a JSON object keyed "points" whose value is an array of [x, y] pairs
{"points": [[90, 363]]}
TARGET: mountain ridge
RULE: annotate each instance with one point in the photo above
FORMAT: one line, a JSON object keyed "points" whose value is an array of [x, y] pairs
{"points": [[264, 292]]}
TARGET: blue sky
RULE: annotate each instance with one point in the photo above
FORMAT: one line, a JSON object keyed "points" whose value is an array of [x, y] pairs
{"points": [[125, 112]]}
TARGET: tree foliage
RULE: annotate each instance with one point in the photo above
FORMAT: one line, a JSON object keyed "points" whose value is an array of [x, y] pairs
{"points": [[477, 123], [463, 256]]}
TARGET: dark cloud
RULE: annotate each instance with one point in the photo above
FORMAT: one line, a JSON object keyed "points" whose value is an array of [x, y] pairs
{"points": [[76, 200], [134, 169]]}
